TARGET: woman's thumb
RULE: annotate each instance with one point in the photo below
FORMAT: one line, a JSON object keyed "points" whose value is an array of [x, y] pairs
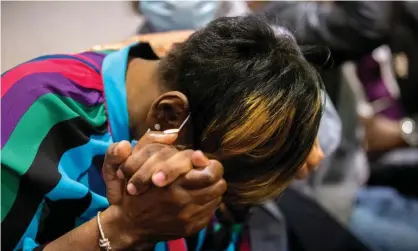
{"points": [[116, 154]]}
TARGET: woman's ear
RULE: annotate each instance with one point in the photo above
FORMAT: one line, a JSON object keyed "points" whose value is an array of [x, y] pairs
{"points": [[168, 111]]}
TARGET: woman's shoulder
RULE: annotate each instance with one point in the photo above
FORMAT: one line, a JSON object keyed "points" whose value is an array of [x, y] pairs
{"points": [[47, 90]]}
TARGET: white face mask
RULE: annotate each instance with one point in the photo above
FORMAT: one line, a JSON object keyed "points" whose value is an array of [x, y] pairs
{"points": [[179, 15]]}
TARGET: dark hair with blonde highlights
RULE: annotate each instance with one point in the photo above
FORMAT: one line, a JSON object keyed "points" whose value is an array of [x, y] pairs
{"points": [[255, 102]]}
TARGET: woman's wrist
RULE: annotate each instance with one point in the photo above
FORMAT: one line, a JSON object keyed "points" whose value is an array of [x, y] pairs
{"points": [[117, 230]]}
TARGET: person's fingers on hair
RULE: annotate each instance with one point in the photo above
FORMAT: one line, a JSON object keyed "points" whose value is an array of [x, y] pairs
{"points": [[177, 165], [204, 195], [116, 154], [155, 137], [202, 177], [139, 157], [141, 181]]}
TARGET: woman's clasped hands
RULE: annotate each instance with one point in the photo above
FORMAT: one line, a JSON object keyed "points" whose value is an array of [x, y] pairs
{"points": [[157, 192]]}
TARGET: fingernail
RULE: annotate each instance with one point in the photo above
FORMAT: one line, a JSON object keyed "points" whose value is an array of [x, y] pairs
{"points": [[120, 174], [131, 189], [159, 179]]}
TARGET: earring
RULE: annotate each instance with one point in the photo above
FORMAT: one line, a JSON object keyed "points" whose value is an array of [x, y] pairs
{"points": [[157, 127]]}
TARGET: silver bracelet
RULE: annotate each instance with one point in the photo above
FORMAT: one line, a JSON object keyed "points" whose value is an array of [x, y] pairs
{"points": [[103, 241]]}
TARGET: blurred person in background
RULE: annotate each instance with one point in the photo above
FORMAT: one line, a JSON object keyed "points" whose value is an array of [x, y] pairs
{"points": [[352, 30], [174, 15], [382, 217]]}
